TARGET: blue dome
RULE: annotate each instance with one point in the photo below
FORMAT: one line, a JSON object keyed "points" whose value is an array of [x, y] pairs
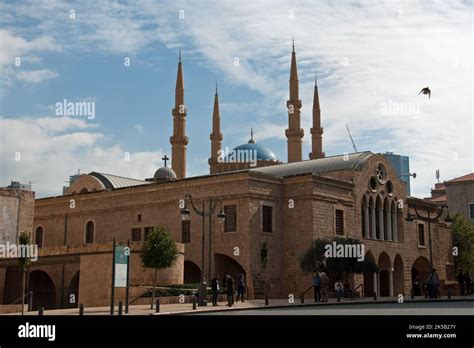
{"points": [[263, 152]]}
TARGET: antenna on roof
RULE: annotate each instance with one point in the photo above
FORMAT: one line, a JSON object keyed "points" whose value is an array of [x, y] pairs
{"points": [[352, 140]]}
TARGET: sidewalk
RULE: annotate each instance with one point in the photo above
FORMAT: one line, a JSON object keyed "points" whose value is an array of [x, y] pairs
{"points": [[187, 308]]}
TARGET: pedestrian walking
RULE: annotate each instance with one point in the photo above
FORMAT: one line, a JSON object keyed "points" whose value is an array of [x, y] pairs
{"points": [[240, 288], [317, 287]]}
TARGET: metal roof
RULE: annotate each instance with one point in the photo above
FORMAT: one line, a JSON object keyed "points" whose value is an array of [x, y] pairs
{"points": [[352, 161], [111, 182]]}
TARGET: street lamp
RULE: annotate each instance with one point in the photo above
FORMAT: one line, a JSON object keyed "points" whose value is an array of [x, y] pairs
{"points": [[185, 215], [438, 211]]}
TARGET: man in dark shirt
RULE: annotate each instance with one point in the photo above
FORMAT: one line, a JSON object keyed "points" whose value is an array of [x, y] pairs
{"points": [[215, 289], [230, 290]]}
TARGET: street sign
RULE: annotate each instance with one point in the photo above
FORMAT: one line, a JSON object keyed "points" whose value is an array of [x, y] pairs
{"points": [[122, 253]]}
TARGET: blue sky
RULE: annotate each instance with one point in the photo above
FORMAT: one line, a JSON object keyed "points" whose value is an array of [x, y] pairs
{"points": [[369, 57]]}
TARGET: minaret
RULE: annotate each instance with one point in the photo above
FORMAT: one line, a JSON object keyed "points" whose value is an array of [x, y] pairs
{"points": [[179, 140], [294, 132], [216, 136], [316, 130]]}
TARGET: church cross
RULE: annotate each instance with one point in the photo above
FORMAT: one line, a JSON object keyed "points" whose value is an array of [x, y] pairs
{"points": [[165, 158]]}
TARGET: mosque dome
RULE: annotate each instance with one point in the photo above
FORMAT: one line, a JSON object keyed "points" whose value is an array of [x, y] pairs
{"points": [[164, 174], [263, 152]]}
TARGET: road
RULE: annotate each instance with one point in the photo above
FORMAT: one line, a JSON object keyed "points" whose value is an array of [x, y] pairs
{"points": [[421, 308]]}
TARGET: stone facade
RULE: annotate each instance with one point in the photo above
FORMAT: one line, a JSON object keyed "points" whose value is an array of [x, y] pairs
{"points": [[304, 209]]}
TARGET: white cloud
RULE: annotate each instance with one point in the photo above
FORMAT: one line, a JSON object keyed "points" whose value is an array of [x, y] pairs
{"points": [[51, 149], [36, 76], [12, 46], [365, 54]]}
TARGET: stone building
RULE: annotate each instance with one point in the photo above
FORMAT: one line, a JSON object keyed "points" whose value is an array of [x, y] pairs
{"points": [[288, 205], [457, 193]]}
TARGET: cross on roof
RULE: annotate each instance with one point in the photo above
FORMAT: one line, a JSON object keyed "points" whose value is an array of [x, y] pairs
{"points": [[165, 158]]}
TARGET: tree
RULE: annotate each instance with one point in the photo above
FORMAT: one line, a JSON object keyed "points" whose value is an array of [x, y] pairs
{"points": [[158, 252], [463, 240], [315, 260], [264, 262], [24, 261]]}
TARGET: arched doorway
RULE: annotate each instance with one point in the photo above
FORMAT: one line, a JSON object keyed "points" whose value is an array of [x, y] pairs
{"points": [[192, 273], [72, 300], [385, 267], [224, 264], [420, 272], [369, 277], [44, 291], [398, 276]]}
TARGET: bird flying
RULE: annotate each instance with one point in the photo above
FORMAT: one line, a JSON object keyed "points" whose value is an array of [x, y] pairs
{"points": [[426, 90]]}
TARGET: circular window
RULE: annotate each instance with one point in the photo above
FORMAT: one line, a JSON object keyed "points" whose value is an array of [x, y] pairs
{"points": [[373, 184], [381, 173], [389, 187]]}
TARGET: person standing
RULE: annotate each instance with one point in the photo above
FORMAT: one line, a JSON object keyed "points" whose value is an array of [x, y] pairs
{"points": [[433, 282], [324, 287], [339, 288], [461, 282], [240, 287], [215, 289], [230, 290], [317, 287]]}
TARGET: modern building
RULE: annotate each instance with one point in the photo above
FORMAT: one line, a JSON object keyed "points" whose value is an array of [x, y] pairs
{"points": [[401, 164], [16, 185], [287, 205]]}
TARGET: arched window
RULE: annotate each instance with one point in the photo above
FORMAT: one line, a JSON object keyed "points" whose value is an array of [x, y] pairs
{"points": [[90, 232], [379, 219], [364, 217], [372, 218], [39, 236], [387, 219], [394, 221]]}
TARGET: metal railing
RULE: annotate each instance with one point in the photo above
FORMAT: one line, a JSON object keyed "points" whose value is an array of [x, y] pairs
{"points": [[30, 300]]}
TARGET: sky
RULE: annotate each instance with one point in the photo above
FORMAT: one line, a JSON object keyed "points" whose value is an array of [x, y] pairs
{"points": [[371, 59]]}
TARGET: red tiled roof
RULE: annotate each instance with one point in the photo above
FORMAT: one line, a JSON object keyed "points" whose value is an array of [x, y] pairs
{"points": [[467, 177]]}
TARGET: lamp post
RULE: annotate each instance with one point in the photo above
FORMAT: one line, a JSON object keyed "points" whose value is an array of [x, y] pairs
{"points": [[185, 214], [438, 212]]}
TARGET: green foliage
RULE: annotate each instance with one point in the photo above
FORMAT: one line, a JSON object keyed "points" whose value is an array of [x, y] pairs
{"points": [[24, 262], [463, 239], [159, 251], [174, 290], [264, 254], [314, 259]]}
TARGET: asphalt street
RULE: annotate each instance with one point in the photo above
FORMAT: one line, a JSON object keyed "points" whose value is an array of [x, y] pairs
{"points": [[420, 308]]}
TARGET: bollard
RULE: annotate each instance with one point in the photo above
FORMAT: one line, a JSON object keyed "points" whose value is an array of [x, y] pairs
{"points": [[41, 311], [157, 305], [81, 309], [266, 299], [194, 302], [375, 296], [302, 298], [120, 308], [412, 293], [449, 292]]}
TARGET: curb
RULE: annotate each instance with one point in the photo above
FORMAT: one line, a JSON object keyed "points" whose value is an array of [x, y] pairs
{"points": [[313, 305]]}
